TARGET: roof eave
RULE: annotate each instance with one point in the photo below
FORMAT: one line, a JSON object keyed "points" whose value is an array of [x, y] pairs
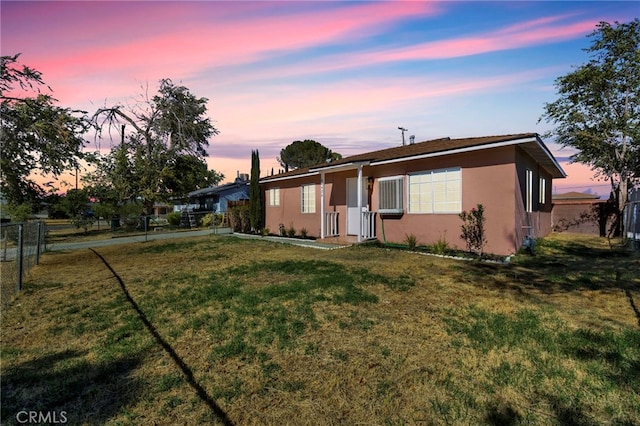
{"points": [[277, 178], [340, 167]]}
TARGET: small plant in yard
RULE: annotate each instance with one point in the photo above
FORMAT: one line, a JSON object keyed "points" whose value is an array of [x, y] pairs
{"points": [[441, 246], [304, 232], [265, 232], [207, 220], [291, 231], [411, 241], [173, 218], [473, 229]]}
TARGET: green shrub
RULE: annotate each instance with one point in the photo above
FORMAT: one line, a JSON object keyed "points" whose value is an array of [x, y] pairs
{"points": [[304, 232], [20, 212], [441, 246], [291, 231], [207, 220], [218, 219], [473, 229], [239, 217], [173, 218], [411, 241]]}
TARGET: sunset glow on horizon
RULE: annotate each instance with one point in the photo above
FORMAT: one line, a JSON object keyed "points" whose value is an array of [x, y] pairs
{"points": [[344, 73]]}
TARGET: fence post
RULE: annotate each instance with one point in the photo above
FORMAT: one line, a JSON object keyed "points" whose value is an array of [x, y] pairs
{"points": [[38, 242], [19, 254]]}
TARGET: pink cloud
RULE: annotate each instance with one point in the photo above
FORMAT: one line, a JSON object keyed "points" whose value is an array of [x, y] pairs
{"points": [[114, 43], [516, 36]]}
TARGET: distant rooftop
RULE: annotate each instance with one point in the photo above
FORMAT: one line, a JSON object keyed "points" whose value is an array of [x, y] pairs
{"points": [[575, 196]]}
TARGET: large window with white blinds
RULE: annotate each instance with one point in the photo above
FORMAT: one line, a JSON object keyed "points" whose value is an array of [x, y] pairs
{"points": [[436, 191]]}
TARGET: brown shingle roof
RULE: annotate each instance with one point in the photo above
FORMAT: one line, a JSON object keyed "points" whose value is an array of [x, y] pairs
{"points": [[434, 147], [426, 147]]}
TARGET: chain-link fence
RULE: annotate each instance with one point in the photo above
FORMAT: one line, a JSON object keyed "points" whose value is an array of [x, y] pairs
{"points": [[21, 247]]}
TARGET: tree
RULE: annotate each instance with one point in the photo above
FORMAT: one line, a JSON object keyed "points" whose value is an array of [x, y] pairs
{"points": [[305, 154], [36, 136], [598, 109], [166, 150], [186, 173], [255, 197]]}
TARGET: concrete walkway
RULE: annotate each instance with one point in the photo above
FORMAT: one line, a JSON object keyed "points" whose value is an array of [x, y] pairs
{"points": [[186, 234]]}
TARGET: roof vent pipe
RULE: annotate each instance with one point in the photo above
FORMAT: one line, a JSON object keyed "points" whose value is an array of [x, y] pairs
{"points": [[412, 139]]}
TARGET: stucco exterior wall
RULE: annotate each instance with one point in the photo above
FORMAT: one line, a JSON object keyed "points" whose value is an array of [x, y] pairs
{"points": [[289, 212], [537, 222], [494, 178], [487, 179]]}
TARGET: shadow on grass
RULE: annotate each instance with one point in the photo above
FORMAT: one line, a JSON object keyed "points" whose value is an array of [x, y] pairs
{"points": [[200, 391], [501, 414], [561, 266], [66, 384]]}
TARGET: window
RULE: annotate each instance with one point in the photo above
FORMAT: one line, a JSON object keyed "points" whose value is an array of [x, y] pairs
{"points": [[308, 199], [390, 195], [528, 201], [542, 198], [274, 196], [436, 191]]}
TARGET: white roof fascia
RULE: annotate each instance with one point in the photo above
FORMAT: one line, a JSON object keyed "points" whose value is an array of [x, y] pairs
{"points": [[550, 155], [340, 167], [276, 178]]}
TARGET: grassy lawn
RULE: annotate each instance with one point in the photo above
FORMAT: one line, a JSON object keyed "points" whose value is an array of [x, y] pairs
{"points": [[220, 329]]}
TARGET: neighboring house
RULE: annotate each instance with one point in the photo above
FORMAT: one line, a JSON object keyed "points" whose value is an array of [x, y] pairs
{"points": [[217, 198], [161, 209], [581, 213], [420, 189]]}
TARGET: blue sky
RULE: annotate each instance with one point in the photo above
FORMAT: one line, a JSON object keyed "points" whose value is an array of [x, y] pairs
{"points": [[345, 74]]}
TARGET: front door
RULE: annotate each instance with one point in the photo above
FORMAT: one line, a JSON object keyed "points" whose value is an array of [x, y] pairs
{"points": [[353, 223]]}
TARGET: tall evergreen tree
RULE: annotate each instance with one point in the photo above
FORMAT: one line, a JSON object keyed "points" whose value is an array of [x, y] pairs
{"points": [[255, 197]]}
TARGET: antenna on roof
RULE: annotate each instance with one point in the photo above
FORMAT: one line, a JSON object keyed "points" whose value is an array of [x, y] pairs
{"points": [[402, 129]]}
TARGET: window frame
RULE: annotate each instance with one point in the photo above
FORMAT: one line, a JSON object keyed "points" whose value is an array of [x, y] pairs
{"points": [[431, 193], [310, 200], [528, 191], [274, 197], [399, 195], [542, 190]]}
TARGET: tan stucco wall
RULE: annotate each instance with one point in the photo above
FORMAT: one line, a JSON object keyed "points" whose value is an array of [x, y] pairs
{"points": [[486, 180], [289, 212], [489, 178], [538, 222]]}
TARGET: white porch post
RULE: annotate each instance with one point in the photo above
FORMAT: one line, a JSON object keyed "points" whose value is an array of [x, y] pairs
{"points": [[359, 203], [322, 225]]}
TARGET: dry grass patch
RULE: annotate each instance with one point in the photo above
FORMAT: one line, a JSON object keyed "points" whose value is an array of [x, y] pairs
{"points": [[277, 334]]}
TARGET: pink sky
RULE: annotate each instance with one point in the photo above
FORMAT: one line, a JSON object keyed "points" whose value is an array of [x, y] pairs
{"points": [[346, 74]]}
